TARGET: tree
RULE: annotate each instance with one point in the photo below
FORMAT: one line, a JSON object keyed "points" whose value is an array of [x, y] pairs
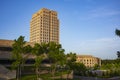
{"points": [[71, 58], [27, 49], [117, 32], [78, 68], [96, 66], [62, 61], [55, 55], [45, 49], [17, 54], [38, 52], [118, 54]]}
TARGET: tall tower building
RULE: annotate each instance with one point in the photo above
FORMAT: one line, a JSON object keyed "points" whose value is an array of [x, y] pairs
{"points": [[44, 26]]}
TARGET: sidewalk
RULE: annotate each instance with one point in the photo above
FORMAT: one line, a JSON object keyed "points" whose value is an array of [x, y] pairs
{"points": [[6, 74], [95, 78]]}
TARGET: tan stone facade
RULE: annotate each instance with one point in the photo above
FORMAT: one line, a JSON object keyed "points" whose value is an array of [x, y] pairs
{"points": [[8, 43], [44, 26], [6, 48], [88, 60]]}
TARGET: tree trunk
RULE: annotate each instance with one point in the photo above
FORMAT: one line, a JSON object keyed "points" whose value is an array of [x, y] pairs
{"points": [[53, 72], [67, 76], [38, 72], [37, 76], [20, 71], [17, 73], [61, 75]]}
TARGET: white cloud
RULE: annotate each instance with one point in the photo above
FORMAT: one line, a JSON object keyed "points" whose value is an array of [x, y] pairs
{"points": [[104, 48], [100, 12], [104, 12], [102, 43]]}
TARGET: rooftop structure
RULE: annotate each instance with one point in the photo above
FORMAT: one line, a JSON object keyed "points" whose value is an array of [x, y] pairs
{"points": [[44, 26], [88, 60]]}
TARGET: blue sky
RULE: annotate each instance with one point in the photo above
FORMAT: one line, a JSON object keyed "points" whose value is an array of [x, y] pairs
{"points": [[86, 26]]}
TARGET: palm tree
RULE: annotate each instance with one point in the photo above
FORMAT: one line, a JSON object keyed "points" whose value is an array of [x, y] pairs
{"points": [[118, 54], [62, 61], [38, 52], [117, 32], [71, 58], [27, 49], [45, 49], [55, 55], [17, 55]]}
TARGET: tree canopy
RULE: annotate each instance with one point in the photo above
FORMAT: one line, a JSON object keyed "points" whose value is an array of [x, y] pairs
{"points": [[18, 53], [117, 32]]}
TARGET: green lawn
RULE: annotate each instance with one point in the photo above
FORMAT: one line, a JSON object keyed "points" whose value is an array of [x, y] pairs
{"points": [[43, 76]]}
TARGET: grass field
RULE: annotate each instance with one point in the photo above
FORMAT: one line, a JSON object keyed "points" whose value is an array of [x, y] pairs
{"points": [[43, 77]]}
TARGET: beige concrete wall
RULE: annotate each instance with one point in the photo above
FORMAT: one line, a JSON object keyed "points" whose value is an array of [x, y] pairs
{"points": [[44, 26], [88, 60]]}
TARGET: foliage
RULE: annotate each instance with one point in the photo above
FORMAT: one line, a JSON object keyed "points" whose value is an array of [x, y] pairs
{"points": [[79, 68], [18, 48], [56, 55], [112, 67], [118, 54], [27, 49], [17, 54], [38, 52], [96, 67], [117, 32], [43, 76], [71, 57]]}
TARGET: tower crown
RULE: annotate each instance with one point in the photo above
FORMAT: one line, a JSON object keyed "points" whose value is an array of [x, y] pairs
{"points": [[44, 26]]}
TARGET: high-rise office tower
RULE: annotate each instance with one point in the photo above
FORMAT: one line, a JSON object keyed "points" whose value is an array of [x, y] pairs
{"points": [[44, 26]]}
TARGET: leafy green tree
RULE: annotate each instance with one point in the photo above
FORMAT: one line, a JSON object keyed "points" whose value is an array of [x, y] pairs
{"points": [[17, 54], [62, 61], [117, 32], [55, 55], [27, 49], [96, 67], [38, 52], [79, 68], [118, 54], [45, 49], [112, 67], [71, 58]]}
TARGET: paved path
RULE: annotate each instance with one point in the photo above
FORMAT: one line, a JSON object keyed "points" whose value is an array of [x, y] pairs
{"points": [[95, 78], [6, 73], [85, 78]]}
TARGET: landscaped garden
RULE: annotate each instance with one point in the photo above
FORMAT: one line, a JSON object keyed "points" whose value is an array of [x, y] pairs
{"points": [[60, 63]]}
